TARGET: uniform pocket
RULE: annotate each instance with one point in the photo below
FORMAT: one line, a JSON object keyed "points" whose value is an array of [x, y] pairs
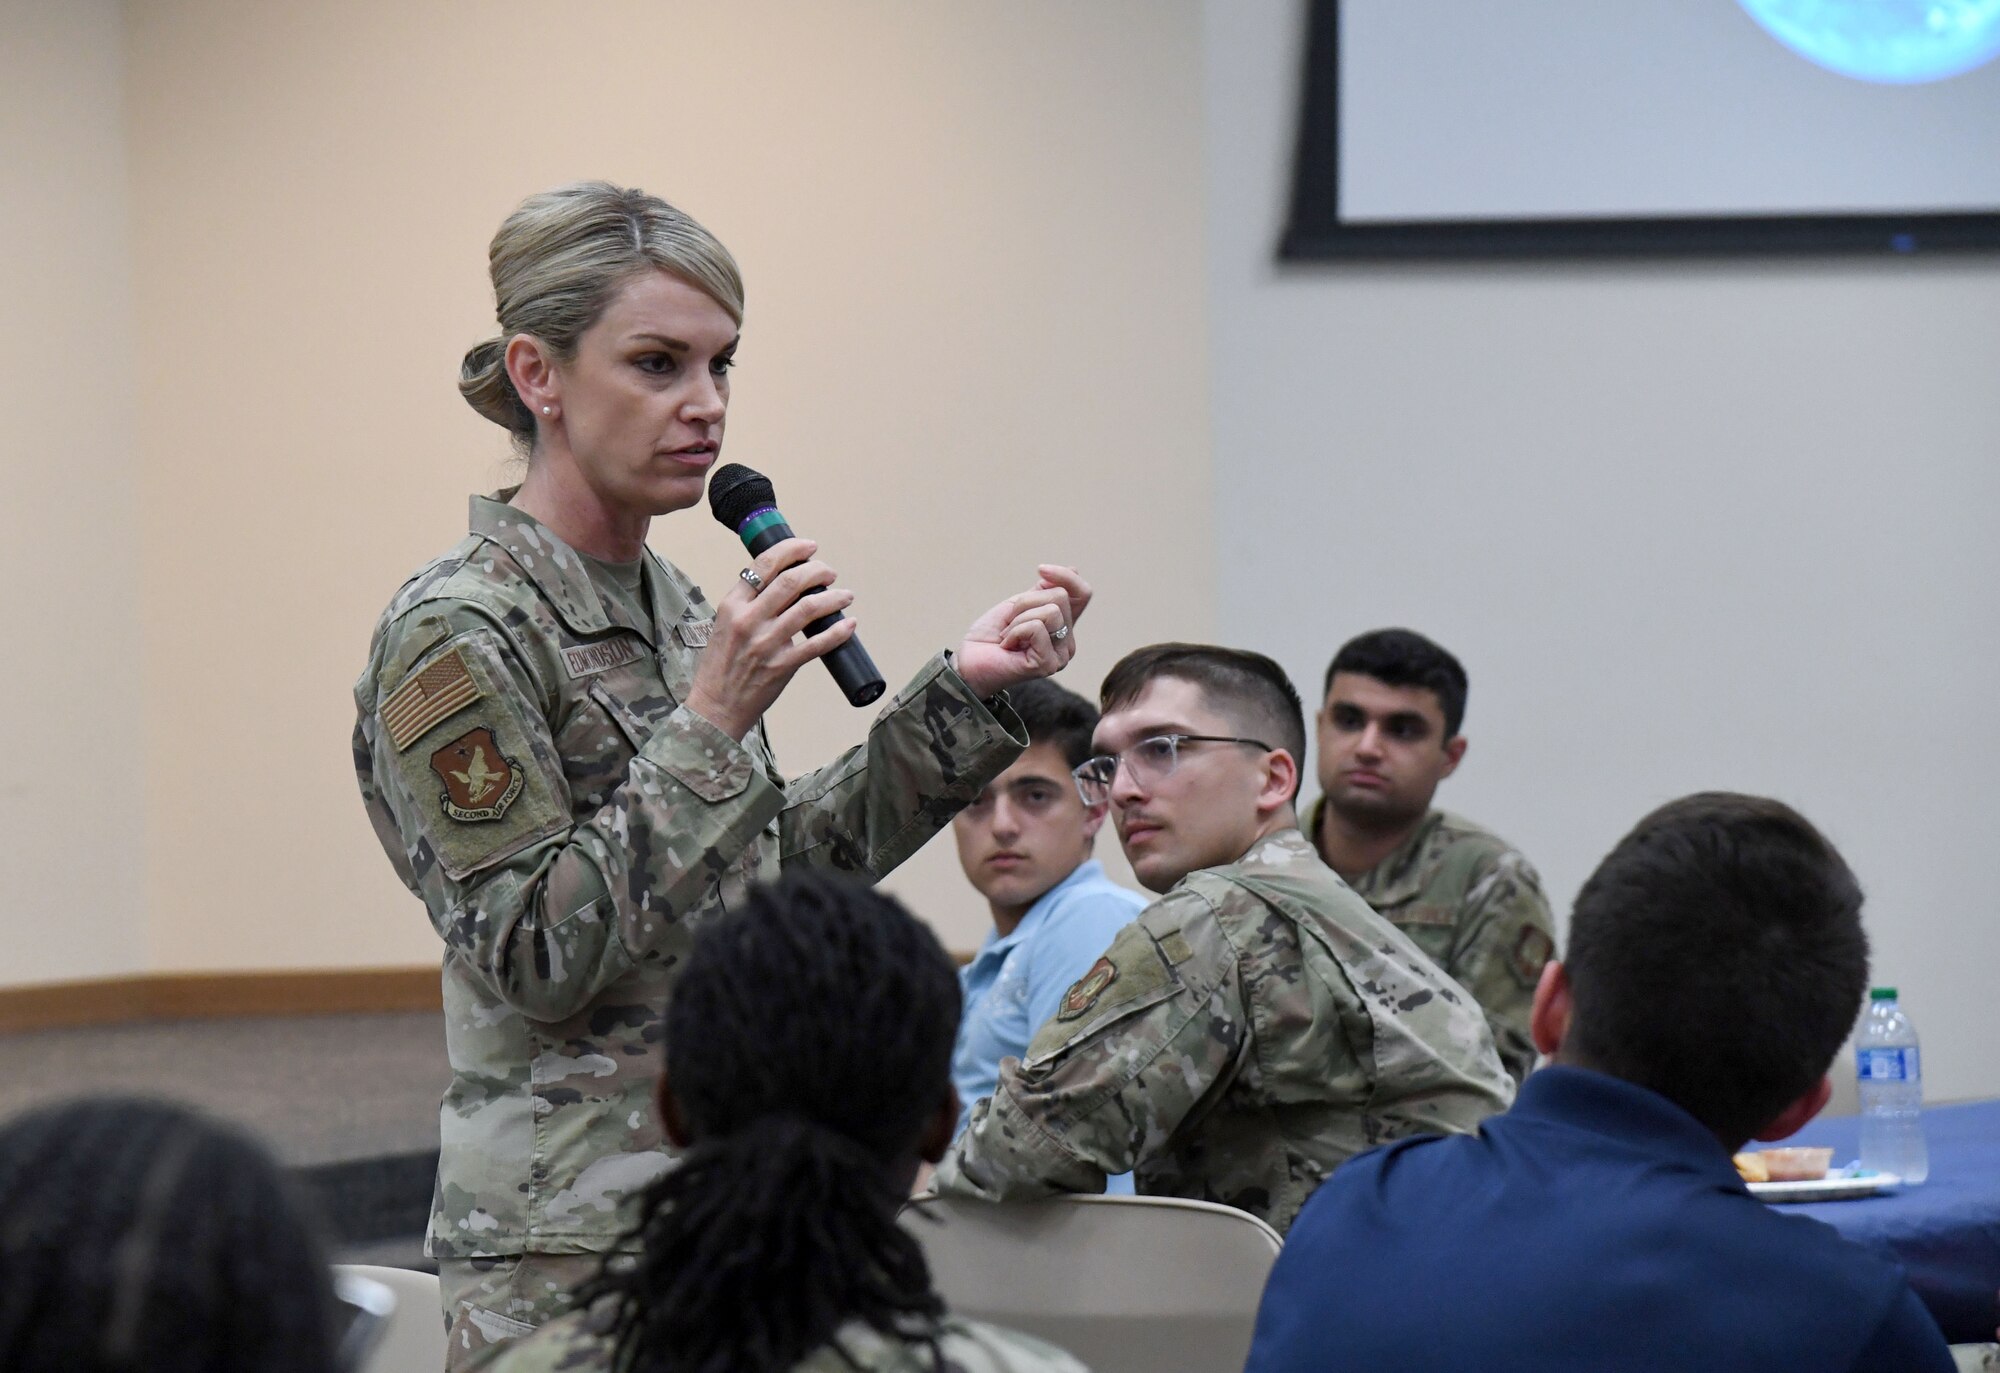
{"points": [[634, 725], [1422, 917]]}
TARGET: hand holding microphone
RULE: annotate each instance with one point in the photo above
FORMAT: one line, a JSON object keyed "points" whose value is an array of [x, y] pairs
{"points": [[754, 648]]}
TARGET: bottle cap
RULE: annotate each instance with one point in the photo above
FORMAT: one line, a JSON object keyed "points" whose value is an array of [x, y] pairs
{"points": [[1882, 994]]}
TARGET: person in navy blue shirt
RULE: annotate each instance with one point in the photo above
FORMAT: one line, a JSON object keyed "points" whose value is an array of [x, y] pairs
{"points": [[1716, 962], [1025, 845]]}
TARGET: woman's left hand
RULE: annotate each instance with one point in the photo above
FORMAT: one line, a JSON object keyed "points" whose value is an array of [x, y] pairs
{"points": [[1026, 636]]}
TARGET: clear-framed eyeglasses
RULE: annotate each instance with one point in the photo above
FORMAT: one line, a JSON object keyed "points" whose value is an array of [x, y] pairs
{"points": [[1150, 761]]}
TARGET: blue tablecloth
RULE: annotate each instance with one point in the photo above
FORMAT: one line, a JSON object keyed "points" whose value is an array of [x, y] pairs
{"points": [[1946, 1233]]}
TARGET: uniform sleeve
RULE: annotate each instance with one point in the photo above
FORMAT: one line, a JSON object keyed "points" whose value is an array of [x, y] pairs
{"points": [[928, 754], [1149, 1034], [1081, 932], [466, 787], [1505, 937]]}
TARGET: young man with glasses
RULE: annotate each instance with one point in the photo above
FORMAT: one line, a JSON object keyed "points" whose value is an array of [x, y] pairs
{"points": [[1258, 1024], [1025, 846]]}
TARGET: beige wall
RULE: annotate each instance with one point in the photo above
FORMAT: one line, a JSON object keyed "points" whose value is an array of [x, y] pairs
{"points": [[73, 783], [972, 240]]}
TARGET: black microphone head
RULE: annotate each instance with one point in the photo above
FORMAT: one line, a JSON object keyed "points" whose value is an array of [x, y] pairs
{"points": [[735, 491]]}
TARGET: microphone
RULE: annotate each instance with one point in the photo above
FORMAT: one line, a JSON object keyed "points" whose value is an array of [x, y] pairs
{"points": [[743, 500]]}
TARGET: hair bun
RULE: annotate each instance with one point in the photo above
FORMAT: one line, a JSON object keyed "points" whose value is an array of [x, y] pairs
{"points": [[483, 381]]}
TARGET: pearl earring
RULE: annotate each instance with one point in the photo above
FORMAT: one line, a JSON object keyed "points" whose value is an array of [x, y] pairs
{"points": [[548, 409]]}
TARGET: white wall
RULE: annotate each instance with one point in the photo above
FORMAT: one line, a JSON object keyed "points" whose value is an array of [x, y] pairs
{"points": [[73, 780], [1689, 525]]}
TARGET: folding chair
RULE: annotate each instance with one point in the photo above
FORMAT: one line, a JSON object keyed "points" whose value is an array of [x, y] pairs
{"points": [[1127, 1284], [413, 1340]]}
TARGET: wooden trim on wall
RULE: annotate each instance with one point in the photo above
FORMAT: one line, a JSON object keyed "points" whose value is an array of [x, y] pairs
{"points": [[207, 996]]}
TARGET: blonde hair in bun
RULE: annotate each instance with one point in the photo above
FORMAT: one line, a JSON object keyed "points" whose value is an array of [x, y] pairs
{"points": [[557, 261]]}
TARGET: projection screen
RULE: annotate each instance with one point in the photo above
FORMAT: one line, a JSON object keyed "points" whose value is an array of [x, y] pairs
{"points": [[1581, 126]]}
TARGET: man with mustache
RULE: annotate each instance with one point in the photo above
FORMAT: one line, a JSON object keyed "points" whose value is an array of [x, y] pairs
{"points": [[1258, 1024], [1388, 734]]}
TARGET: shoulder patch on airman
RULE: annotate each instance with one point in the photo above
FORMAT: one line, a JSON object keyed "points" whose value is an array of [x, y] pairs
{"points": [[1532, 951], [427, 697], [1083, 994], [479, 784]]}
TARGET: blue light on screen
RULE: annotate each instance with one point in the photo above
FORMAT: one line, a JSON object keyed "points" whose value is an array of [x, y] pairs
{"points": [[1898, 42]]}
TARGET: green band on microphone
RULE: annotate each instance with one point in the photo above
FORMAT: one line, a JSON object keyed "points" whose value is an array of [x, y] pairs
{"points": [[758, 522]]}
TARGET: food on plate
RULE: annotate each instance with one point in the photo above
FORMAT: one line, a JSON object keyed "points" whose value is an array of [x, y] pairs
{"points": [[1796, 1165], [1751, 1166]]}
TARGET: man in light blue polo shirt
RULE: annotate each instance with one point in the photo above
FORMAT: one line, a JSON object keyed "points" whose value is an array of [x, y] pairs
{"points": [[1025, 845]]}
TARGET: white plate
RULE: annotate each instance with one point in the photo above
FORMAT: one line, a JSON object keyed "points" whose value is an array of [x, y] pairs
{"points": [[1837, 1185]]}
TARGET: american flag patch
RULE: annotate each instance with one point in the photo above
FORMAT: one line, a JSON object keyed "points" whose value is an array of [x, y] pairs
{"points": [[423, 700]]}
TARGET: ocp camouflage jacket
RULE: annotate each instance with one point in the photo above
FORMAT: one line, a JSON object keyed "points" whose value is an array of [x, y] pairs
{"points": [[1247, 1033], [524, 755]]}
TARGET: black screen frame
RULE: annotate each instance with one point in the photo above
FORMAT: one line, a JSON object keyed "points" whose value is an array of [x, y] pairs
{"points": [[1315, 231]]}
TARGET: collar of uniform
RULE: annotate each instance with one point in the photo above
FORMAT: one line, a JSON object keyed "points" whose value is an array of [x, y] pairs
{"points": [[671, 607], [1278, 849], [557, 570], [1309, 826], [1400, 876]]}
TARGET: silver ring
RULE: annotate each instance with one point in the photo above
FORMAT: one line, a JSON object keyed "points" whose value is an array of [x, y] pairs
{"points": [[1062, 632], [749, 575]]}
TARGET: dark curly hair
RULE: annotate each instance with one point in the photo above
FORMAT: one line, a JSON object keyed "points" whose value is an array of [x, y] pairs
{"points": [[808, 1045], [140, 1237]]}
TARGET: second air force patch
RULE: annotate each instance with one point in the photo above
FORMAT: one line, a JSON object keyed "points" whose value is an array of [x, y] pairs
{"points": [[479, 784]]}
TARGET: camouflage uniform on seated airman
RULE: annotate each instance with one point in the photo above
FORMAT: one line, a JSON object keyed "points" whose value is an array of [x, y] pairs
{"points": [[1390, 731], [1474, 903], [529, 767], [1246, 1034], [580, 1344]]}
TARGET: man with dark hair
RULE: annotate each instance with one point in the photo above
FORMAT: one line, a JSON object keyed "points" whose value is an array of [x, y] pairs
{"points": [[1388, 734], [1025, 845], [1716, 962], [1258, 1024]]}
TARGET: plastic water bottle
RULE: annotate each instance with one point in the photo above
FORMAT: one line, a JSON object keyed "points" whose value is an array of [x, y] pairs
{"points": [[1891, 1078]]}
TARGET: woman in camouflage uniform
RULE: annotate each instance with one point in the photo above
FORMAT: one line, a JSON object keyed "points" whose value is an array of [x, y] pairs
{"points": [[807, 1070], [558, 738]]}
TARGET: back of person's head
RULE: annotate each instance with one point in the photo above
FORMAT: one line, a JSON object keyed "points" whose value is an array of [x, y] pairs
{"points": [[1246, 688], [1405, 658], [1055, 715], [808, 1050], [1716, 957], [139, 1237]]}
